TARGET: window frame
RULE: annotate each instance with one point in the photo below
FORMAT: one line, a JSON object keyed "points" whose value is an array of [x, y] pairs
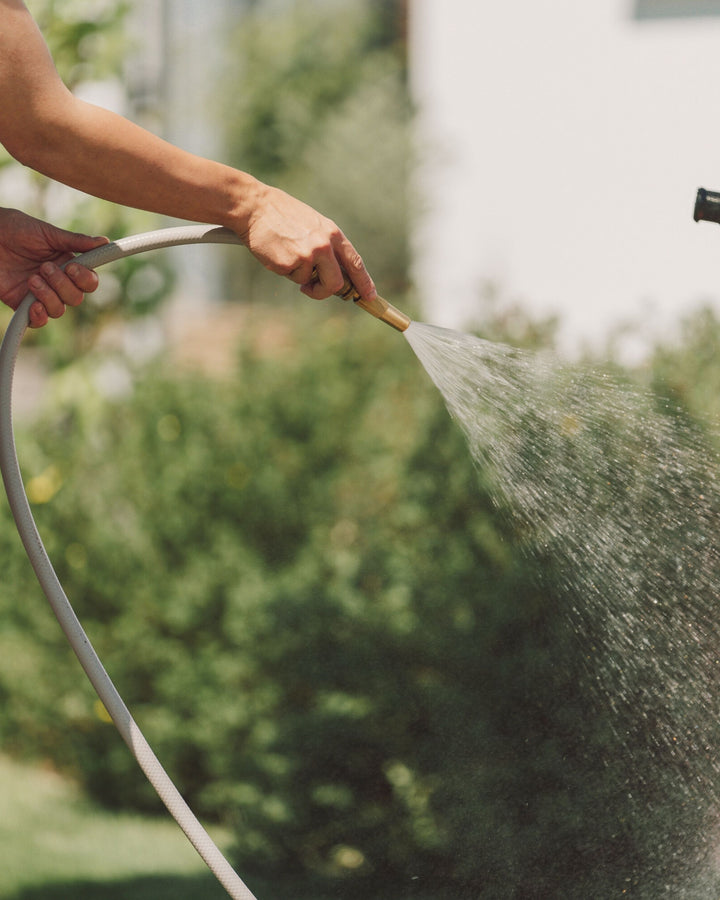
{"points": [[674, 9]]}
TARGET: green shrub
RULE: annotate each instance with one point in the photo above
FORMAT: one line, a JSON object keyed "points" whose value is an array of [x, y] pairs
{"points": [[281, 573], [329, 632]]}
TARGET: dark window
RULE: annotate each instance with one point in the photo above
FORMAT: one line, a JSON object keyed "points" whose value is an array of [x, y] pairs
{"points": [[674, 9]]}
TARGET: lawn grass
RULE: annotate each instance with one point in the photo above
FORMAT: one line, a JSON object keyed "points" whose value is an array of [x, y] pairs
{"points": [[56, 845]]}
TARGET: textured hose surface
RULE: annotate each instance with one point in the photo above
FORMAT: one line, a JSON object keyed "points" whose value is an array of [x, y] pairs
{"points": [[49, 581]]}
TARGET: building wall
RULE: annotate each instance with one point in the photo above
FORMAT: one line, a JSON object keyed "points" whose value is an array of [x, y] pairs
{"points": [[563, 143]]}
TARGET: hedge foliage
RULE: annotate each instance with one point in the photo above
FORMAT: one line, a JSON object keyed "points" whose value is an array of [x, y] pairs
{"points": [[325, 626]]}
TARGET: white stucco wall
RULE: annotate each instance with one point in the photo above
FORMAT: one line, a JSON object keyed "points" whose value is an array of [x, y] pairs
{"points": [[564, 142]]}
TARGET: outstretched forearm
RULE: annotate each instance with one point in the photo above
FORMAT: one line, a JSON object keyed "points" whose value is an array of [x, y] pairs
{"points": [[105, 155], [96, 151]]}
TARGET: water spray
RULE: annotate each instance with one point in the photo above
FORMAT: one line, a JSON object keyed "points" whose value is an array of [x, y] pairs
{"points": [[61, 606]]}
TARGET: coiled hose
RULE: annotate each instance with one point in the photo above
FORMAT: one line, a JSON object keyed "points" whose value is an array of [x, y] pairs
{"points": [[106, 691]]}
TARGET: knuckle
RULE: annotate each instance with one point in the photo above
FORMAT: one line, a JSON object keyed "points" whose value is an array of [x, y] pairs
{"points": [[320, 290], [51, 272], [80, 282], [40, 288], [38, 315], [284, 269], [79, 275]]}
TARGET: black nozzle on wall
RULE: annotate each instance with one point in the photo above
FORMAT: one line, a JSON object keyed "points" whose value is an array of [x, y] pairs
{"points": [[707, 206]]}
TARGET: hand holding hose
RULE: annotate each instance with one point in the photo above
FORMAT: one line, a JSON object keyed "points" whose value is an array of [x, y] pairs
{"points": [[32, 253], [291, 239]]}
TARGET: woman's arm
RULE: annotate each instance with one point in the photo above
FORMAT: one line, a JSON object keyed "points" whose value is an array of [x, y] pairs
{"points": [[96, 151]]}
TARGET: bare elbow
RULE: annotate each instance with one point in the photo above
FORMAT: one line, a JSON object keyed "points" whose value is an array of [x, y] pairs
{"points": [[30, 150], [41, 149], [34, 139], [11, 135], [21, 147]]}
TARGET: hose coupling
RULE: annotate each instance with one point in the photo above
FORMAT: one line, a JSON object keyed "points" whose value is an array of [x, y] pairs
{"points": [[707, 206]]}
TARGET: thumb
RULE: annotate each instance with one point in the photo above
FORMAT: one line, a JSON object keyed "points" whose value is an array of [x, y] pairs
{"points": [[72, 241], [79, 243]]}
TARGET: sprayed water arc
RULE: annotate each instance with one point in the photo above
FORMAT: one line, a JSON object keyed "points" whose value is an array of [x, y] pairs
{"points": [[618, 489]]}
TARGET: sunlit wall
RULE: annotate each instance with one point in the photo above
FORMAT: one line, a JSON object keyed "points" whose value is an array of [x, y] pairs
{"points": [[563, 143]]}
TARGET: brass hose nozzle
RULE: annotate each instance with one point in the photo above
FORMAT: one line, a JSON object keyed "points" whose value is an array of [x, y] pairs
{"points": [[379, 307]]}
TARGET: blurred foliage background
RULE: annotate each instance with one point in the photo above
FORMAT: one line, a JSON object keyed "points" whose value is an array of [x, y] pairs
{"points": [[300, 583]]}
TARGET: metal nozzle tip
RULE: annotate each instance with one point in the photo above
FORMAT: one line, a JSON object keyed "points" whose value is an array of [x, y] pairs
{"points": [[386, 312], [707, 206], [377, 307]]}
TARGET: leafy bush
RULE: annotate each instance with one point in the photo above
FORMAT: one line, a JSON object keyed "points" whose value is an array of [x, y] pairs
{"points": [[266, 568], [309, 600]]}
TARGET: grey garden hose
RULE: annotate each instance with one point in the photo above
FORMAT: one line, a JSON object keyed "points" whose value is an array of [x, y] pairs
{"points": [[113, 702]]}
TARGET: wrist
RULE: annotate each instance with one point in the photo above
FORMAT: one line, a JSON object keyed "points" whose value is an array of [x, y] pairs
{"points": [[246, 196]]}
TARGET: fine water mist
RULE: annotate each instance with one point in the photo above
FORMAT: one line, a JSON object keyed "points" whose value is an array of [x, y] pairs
{"points": [[615, 491]]}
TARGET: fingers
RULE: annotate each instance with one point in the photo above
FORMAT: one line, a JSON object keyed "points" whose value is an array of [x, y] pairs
{"points": [[330, 270], [304, 273], [71, 242], [324, 279], [38, 315], [55, 289], [85, 280], [291, 239], [352, 263]]}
